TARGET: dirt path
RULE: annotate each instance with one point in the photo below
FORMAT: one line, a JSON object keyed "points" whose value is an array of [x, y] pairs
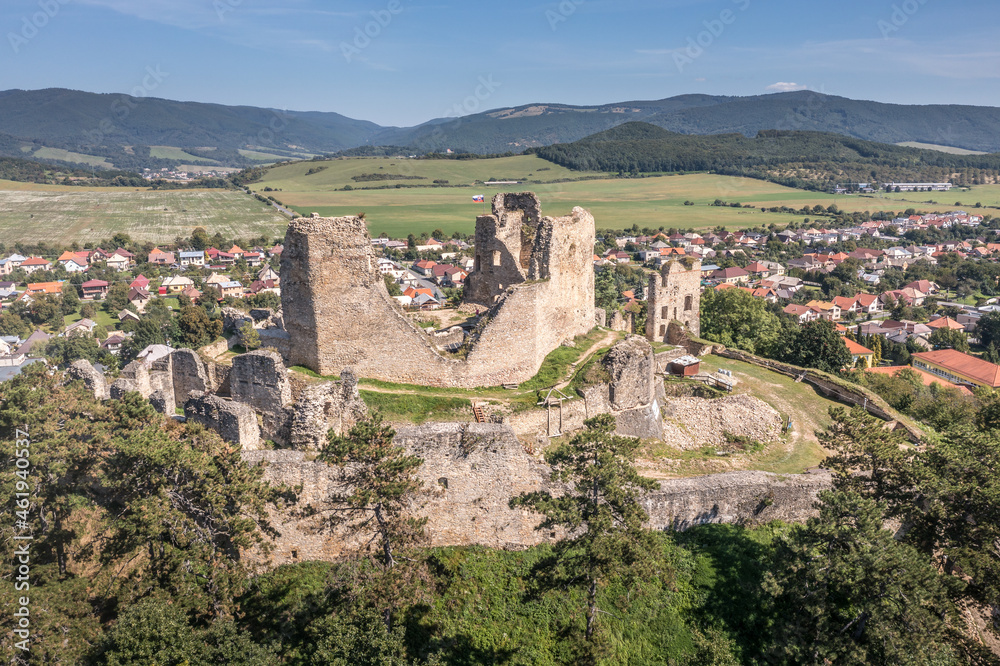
{"points": [[609, 339]]}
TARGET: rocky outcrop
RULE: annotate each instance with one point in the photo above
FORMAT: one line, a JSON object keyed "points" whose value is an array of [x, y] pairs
{"points": [[631, 365]]}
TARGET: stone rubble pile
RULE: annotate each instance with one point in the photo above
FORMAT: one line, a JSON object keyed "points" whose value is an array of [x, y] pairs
{"points": [[694, 423]]}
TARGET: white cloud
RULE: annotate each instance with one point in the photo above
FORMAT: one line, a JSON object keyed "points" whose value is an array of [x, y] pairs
{"points": [[782, 86]]}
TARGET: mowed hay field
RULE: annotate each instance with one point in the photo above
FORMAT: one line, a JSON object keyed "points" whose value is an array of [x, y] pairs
{"points": [[616, 203], [56, 214], [987, 195]]}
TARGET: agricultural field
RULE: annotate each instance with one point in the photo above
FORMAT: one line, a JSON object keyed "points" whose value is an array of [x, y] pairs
{"points": [[172, 153], [56, 214], [987, 195], [67, 156], [616, 203], [943, 149]]}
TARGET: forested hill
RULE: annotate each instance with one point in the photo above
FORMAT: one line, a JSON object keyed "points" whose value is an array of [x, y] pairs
{"points": [[801, 159]]}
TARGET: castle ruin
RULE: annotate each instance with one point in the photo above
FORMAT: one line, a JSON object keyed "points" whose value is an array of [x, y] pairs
{"points": [[534, 279], [674, 296]]}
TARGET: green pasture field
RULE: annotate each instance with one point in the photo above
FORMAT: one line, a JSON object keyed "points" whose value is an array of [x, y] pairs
{"points": [[60, 215], [68, 156], [987, 195], [615, 203], [172, 153]]}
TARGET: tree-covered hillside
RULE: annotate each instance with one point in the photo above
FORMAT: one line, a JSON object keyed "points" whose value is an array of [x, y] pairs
{"points": [[802, 159]]}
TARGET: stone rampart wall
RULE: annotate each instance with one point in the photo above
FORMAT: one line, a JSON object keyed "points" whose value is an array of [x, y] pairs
{"points": [[472, 470]]}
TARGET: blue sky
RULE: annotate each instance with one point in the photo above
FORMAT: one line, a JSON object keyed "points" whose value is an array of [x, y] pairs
{"points": [[430, 59]]}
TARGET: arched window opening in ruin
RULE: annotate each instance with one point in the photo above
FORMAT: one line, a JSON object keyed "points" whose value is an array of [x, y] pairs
{"points": [[479, 263], [664, 312], [675, 313], [496, 257], [663, 330], [688, 303]]}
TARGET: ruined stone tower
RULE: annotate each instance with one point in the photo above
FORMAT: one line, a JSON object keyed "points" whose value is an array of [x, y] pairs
{"points": [[512, 246], [338, 313], [674, 295]]}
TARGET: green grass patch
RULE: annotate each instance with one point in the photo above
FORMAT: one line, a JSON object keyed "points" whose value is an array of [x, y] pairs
{"points": [[417, 408], [179, 154], [69, 156], [102, 318], [556, 364]]}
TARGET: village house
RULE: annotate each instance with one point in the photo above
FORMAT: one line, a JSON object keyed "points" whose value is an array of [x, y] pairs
{"points": [[861, 357], [825, 310], [74, 262], [114, 343], [94, 290], [733, 275], [35, 264], [121, 260], [175, 284], [268, 273], [192, 258], [231, 289], [141, 282], [11, 263], [215, 279], [161, 258], [139, 298], [81, 329], [801, 313], [128, 315]]}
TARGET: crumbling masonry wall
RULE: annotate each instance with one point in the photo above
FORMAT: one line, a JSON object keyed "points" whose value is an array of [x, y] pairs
{"points": [[338, 313], [471, 471], [674, 295]]}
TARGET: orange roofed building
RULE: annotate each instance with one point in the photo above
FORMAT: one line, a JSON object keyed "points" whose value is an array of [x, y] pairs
{"points": [[958, 368]]}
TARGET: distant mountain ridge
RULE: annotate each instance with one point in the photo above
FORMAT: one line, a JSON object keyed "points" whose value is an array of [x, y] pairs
{"points": [[122, 129]]}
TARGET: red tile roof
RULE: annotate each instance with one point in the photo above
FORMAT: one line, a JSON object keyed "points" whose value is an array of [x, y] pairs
{"points": [[964, 365]]}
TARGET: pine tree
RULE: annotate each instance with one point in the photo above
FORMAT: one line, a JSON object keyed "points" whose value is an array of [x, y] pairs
{"points": [[601, 509]]}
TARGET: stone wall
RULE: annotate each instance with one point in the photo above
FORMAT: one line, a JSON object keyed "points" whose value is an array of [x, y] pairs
{"points": [[92, 379], [674, 295], [471, 471], [189, 374], [234, 422], [324, 406], [338, 313], [260, 380], [133, 377]]}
